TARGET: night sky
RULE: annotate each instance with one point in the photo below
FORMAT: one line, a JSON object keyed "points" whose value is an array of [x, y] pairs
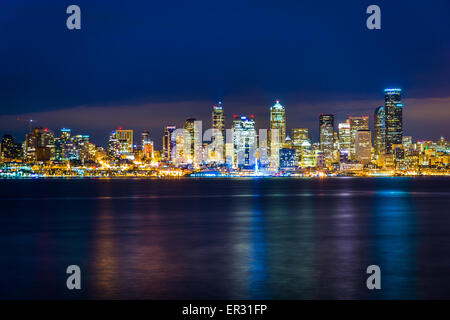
{"points": [[147, 64]]}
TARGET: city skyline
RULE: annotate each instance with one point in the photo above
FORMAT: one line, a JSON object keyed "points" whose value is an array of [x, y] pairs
{"points": [[350, 147]]}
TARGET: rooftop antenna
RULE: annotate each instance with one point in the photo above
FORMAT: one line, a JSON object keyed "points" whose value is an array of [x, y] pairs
{"points": [[30, 122]]}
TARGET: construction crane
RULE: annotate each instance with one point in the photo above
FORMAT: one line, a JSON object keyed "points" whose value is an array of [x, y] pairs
{"points": [[30, 122]]}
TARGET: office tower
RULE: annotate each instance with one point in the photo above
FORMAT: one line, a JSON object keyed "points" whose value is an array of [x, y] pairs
{"points": [[394, 118], [245, 142], [379, 129], [168, 143], [407, 142], [58, 149], [277, 127], [345, 141], [288, 158], [194, 130], [125, 138], [114, 148], [336, 154], [218, 138], [189, 126], [363, 146], [308, 157], [65, 134], [68, 147], [356, 124], [145, 137], [39, 145], [299, 135], [218, 117], [10, 150], [81, 145], [326, 132], [147, 145]]}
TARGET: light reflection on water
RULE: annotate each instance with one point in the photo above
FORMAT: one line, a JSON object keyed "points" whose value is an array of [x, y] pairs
{"points": [[226, 238]]}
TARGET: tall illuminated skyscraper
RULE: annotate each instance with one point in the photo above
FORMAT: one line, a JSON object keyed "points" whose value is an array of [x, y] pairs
{"points": [[194, 129], [363, 146], [356, 124], [299, 135], [10, 150], [245, 142], [326, 132], [147, 145], [168, 142], [277, 122], [39, 145], [218, 117], [345, 140], [125, 138], [394, 117], [218, 138], [379, 129]]}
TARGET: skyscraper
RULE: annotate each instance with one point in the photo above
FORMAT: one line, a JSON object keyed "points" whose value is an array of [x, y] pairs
{"points": [[379, 129], [168, 143], [245, 142], [277, 122], [147, 145], [218, 117], [394, 117], [326, 132], [299, 135], [356, 124], [218, 138], [114, 148], [10, 150], [125, 138], [194, 129], [345, 140], [363, 146], [39, 145], [67, 145]]}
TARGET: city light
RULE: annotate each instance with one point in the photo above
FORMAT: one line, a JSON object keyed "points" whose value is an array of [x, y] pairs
{"points": [[346, 149]]}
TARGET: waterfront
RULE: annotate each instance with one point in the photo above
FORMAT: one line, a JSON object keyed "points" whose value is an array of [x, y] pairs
{"points": [[243, 238]]}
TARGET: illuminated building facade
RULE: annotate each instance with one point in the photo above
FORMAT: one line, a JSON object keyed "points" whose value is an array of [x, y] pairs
{"points": [[10, 150], [345, 141], [39, 145], [147, 145], [363, 146], [394, 118], [299, 135], [218, 138], [114, 148], [379, 128], [168, 143], [326, 132], [356, 124], [277, 132], [288, 158], [245, 142], [194, 129], [125, 138]]}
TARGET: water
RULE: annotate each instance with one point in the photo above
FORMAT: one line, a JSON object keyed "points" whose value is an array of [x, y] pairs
{"points": [[272, 238]]}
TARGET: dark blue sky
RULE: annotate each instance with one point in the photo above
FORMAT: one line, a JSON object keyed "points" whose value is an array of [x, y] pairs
{"points": [[185, 55]]}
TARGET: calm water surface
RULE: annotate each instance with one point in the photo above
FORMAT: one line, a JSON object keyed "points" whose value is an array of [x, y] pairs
{"points": [[273, 238]]}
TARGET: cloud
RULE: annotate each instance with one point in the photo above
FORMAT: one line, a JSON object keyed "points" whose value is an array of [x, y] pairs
{"points": [[424, 118]]}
